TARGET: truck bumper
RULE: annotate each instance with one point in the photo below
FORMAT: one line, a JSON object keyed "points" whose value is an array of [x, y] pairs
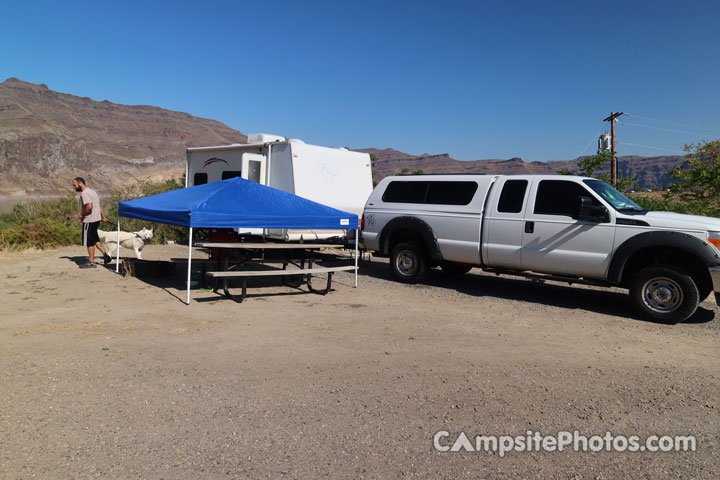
{"points": [[715, 275]]}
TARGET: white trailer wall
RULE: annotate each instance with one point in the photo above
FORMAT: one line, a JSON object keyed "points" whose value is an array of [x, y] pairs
{"points": [[338, 178]]}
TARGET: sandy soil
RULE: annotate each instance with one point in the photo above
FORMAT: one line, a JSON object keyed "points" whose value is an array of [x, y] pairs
{"points": [[105, 376]]}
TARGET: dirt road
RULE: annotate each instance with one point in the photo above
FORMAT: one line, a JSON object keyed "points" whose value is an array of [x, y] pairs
{"points": [[103, 376]]}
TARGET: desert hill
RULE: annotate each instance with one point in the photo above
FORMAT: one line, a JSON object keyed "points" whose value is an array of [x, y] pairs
{"points": [[649, 171], [47, 138]]}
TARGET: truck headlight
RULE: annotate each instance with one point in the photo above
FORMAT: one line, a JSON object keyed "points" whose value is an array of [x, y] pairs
{"points": [[714, 238]]}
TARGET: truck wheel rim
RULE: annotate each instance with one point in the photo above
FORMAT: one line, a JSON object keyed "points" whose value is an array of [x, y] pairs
{"points": [[662, 295], [406, 262]]}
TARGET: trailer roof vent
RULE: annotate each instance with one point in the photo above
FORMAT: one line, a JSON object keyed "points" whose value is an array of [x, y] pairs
{"points": [[264, 138]]}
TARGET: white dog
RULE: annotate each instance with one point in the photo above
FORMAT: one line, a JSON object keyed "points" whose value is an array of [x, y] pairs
{"points": [[134, 240]]}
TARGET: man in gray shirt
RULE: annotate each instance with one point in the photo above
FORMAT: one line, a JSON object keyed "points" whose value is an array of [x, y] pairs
{"points": [[90, 215]]}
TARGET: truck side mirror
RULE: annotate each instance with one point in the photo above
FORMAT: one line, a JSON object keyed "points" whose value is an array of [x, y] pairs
{"points": [[585, 210]]}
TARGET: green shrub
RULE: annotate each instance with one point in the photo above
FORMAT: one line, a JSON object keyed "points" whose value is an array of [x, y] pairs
{"points": [[161, 232], [39, 233], [54, 223]]}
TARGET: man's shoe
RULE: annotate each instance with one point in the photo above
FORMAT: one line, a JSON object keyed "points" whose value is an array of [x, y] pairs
{"points": [[88, 265], [107, 259]]}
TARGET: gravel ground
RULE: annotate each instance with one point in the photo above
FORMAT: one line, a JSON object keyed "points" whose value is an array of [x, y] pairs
{"points": [[105, 376]]}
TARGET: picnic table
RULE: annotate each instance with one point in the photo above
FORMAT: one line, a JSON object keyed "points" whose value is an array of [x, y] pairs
{"points": [[235, 254]]}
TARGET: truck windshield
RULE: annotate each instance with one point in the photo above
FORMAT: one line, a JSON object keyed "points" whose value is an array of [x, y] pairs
{"points": [[619, 202]]}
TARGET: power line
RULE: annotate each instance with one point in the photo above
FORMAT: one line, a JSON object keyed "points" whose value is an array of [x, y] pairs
{"points": [[654, 148], [661, 129], [710, 130], [590, 142]]}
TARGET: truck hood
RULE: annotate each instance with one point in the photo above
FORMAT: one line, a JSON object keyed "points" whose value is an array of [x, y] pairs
{"points": [[680, 221]]}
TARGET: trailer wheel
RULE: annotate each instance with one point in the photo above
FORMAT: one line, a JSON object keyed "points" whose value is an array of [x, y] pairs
{"points": [[664, 294], [409, 262]]}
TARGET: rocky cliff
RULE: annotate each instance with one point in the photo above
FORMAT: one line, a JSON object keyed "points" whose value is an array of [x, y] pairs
{"points": [[650, 172], [47, 138]]}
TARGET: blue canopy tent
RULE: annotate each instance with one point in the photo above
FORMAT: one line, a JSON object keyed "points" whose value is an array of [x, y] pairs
{"points": [[235, 203]]}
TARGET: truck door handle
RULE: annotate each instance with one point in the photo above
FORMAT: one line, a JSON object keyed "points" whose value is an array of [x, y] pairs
{"points": [[529, 227]]}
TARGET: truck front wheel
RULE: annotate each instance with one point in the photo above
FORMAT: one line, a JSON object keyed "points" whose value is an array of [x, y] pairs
{"points": [[409, 262], [664, 294]]}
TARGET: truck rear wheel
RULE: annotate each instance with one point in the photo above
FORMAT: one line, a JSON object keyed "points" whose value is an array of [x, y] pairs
{"points": [[409, 262], [664, 294]]}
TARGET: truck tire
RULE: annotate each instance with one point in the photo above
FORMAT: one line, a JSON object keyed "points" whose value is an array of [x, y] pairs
{"points": [[409, 262], [453, 270], [704, 291], [664, 294]]}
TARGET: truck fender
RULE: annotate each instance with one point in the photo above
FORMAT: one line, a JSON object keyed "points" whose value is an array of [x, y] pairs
{"points": [[682, 241], [418, 228]]}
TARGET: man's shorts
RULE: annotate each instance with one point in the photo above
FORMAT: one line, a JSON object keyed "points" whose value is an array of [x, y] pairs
{"points": [[90, 235]]}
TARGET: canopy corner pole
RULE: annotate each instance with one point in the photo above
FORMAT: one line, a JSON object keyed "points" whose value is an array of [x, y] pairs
{"points": [[357, 238], [189, 265], [117, 246]]}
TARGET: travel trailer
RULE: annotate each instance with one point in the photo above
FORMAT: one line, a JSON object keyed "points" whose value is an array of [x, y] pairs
{"points": [[335, 177]]}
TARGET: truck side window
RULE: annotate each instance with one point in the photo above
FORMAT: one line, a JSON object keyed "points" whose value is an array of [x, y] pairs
{"points": [[231, 174], [512, 196], [451, 193], [559, 197], [434, 193], [405, 192], [200, 179]]}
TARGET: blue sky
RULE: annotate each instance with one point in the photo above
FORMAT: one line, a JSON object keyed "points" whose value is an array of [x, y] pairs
{"points": [[476, 80]]}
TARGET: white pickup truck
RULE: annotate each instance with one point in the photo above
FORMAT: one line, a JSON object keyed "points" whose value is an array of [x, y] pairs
{"points": [[573, 229]]}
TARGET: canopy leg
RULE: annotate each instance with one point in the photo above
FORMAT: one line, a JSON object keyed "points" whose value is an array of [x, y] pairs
{"points": [[189, 264], [117, 246], [357, 238]]}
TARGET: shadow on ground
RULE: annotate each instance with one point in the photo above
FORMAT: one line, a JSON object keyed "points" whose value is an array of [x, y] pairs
{"points": [[174, 281], [475, 283], [480, 284]]}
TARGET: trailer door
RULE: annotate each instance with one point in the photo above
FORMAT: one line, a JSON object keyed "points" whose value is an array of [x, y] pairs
{"points": [[253, 167]]}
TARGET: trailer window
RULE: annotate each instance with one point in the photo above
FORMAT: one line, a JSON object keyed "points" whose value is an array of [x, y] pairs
{"points": [[231, 174], [200, 179], [254, 171], [451, 193], [559, 197], [512, 196]]}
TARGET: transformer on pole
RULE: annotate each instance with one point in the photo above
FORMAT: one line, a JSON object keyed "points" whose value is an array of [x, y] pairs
{"points": [[613, 162]]}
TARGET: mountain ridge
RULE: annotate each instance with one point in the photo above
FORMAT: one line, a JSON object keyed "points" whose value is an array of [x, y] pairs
{"points": [[49, 137], [650, 172]]}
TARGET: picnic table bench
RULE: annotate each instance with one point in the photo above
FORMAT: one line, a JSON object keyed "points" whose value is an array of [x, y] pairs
{"points": [[301, 249]]}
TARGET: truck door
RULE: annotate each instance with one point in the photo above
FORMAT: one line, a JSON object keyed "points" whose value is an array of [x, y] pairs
{"points": [[253, 167], [555, 242], [504, 222]]}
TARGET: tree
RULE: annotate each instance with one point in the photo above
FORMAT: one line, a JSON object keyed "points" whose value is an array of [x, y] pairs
{"points": [[587, 167], [699, 184]]}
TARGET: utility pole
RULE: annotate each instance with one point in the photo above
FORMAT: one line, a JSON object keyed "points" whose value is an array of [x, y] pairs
{"points": [[613, 161]]}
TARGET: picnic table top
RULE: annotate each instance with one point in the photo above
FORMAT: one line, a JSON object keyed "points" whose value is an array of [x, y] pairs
{"points": [[266, 246]]}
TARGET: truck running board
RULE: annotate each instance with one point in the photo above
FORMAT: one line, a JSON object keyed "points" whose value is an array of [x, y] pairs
{"points": [[542, 278]]}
